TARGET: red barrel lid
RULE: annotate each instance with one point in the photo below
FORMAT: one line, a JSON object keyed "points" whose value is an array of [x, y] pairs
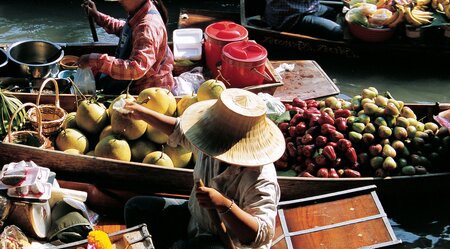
{"points": [[245, 51], [226, 31]]}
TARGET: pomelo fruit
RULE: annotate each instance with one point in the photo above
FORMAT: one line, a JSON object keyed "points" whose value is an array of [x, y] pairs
{"points": [[131, 129], [91, 116], [155, 98], [158, 158], [172, 105], [156, 135], [122, 96], [180, 155], [210, 89], [71, 138], [185, 102], [141, 147], [105, 132], [114, 147], [70, 121]]}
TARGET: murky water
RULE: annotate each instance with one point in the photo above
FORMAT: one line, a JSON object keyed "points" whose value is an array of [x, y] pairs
{"points": [[421, 224]]}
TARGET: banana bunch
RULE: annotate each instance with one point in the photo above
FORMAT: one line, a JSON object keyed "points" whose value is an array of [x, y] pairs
{"points": [[423, 4], [417, 17], [441, 6], [397, 17]]}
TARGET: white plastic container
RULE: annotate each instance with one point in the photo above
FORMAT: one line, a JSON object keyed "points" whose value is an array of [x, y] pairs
{"points": [[187, 44]]}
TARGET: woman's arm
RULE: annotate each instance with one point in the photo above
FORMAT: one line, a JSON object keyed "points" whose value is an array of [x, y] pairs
{"points": [[160, 121], [243, 225]]}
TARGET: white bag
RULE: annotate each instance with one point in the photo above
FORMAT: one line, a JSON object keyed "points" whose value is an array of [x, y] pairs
{"points": [[84, 80]]}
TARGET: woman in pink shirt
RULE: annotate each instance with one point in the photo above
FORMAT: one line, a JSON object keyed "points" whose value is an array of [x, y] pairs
{"points": [[142, 58]]}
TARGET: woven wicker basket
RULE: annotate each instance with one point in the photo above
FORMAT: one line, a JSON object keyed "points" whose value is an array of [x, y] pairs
{"points": [[19, 137], [52, 115]]}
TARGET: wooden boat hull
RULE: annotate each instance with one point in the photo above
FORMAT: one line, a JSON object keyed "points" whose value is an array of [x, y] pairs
{"points": [[152, 179], [435, 44]]}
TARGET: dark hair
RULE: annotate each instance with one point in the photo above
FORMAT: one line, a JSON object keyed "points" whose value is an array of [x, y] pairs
{"points": [[162, 10]]}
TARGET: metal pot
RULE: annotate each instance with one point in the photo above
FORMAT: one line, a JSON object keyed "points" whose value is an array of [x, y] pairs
{"points": [[35, 58], [3, 61]]}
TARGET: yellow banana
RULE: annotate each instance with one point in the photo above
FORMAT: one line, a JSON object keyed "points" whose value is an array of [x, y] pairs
{"points": [[447, 11], [410, 18], [392, 18], [400, 18], [422, 14], [434, 4], [422, 2]]}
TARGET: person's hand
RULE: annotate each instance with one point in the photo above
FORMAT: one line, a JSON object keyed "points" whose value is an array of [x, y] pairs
{"points": [[83, 61], [90, 8], [211, 199], [135, 110]]}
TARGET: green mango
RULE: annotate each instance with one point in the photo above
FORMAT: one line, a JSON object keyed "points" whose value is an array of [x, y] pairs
{"points": [[402, 162], [408, 170], [384, 131], [389, 164], [358, 127], [431, 126], [381, 101], [376, 162], [411, 131], [400, 133], [354, 136], [370, 108], [388, 151], [370, 128], [402, 122], [380, 121]]}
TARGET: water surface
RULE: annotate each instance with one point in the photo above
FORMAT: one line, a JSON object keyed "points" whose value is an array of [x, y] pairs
{"points": [[419, 224]]}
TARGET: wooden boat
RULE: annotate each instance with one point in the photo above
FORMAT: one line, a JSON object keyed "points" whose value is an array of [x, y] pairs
{"points": [[152, 179], [432, 44]]}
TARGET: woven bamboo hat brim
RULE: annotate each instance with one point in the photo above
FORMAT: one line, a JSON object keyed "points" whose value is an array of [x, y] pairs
{"points": [[234, 129]]}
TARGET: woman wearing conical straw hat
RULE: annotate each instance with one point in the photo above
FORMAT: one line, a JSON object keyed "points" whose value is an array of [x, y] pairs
{"points": [[236, 145]]}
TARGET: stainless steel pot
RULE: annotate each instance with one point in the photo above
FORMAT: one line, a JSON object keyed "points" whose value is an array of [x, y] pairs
{"points": [[3, 58], [35, 58]]}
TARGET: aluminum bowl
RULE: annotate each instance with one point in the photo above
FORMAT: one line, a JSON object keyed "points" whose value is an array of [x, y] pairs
{"points": [[35, 58], [3, 58], [3, 61]]}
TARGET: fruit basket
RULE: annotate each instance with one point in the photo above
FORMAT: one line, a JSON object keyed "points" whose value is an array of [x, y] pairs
{"points": [[369, 34]]}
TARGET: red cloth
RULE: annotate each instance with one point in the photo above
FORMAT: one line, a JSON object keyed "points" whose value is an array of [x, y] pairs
{"points": [[149, 51]]}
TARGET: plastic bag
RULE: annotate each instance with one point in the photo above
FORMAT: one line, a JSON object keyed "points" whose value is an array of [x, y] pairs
{"points": [[13, 237], [274, 105], [188, 82], [84, 80]]}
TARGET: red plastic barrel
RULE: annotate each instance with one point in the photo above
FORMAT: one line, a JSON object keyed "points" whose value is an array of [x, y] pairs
{"points": [[217, 35], [243, 63]]}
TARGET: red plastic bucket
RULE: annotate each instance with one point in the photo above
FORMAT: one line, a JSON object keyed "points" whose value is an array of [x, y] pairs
{"points": [[217, 35], [243, 64]]}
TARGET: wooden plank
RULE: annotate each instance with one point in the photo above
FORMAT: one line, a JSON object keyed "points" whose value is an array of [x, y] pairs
{"points": [[306, 81], [352, 218], [198, 18]]}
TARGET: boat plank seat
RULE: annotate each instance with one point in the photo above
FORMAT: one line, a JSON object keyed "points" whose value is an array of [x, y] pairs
{"points": [[306, 81], [347, 219]]}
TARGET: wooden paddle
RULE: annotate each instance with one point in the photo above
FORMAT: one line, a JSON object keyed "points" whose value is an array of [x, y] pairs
{"points": [[92, 26], [224, 236]]}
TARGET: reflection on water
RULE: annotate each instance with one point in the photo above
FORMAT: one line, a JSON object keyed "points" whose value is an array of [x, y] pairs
{"points": [[419, 226]]}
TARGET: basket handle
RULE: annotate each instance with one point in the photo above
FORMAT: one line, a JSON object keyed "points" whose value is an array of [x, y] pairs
{"points": [[55, 83], [38, 116]]}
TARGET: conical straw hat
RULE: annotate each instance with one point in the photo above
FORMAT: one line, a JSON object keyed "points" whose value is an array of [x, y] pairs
{"points": [[234, 129]]}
